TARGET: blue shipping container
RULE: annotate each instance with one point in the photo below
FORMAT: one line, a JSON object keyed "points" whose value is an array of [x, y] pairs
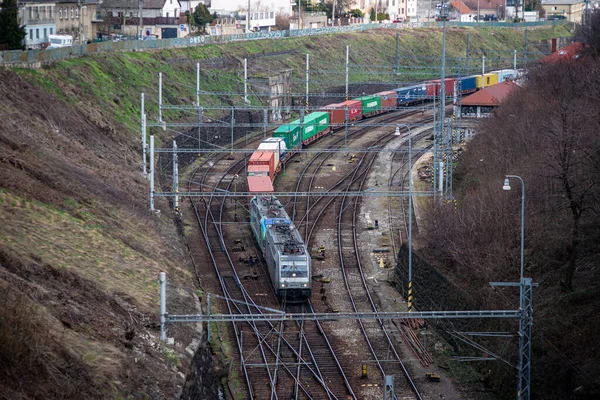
{"points": [[468, 84]]}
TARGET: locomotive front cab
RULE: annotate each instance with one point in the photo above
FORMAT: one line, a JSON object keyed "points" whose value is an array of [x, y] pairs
{"points": [[294, 278]]}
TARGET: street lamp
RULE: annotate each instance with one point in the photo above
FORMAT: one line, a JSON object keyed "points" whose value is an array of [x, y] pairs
{"points": [[507, 187], [524, 321]]}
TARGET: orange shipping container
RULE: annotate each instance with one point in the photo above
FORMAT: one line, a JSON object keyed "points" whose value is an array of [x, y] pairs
{"points": [[259, 184], [264, 158], [388, 100], [337, 115]]}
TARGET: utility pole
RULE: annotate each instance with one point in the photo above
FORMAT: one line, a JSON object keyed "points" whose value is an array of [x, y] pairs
{"points": [[80, 22], [347, 53], [307, 83], [468, 51], [397, 53], [438, 140], [333, 14], [525, 47], [248, 19], [141, 20]]}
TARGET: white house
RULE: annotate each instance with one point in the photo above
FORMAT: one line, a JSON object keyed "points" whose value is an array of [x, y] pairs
{"points": [[262, 13], [283, 7], [161, 18], [411, 10], [39, 19]]}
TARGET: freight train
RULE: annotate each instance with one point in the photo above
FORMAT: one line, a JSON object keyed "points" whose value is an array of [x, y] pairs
{"points": [[286, 254], [287, 258]]}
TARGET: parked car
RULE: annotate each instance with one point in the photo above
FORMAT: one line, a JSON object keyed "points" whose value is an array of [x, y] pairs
{"points": [[57, 41]]}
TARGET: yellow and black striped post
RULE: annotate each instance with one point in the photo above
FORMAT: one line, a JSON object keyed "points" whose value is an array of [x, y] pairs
{"points": [[307, 106], [410, 297]]}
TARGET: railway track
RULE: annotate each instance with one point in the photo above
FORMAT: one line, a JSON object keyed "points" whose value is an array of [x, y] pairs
{"points": [[275, 363], [356, 174], [282, 360]]}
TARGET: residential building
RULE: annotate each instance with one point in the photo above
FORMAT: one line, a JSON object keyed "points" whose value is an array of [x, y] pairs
{"points": [[39, 19], [77, 18], [412, 10], [262, 13], [571, 10], [459, 11], [160, 18], [190, 5]]}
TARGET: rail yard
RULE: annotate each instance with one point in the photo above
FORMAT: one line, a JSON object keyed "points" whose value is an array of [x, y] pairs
{"points": [[312, 359]]}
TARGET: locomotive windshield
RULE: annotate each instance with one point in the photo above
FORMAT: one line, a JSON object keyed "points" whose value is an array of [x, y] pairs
{"points": [[294, 270]]}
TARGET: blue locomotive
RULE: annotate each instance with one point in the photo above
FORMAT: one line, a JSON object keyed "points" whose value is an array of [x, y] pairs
{"points": [[283, 249]]}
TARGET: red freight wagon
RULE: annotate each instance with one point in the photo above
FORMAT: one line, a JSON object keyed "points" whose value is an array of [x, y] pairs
{"points": [[267, 158], [433, 87], [259, 184], [388, 100], [354, 109], [337, 115]]}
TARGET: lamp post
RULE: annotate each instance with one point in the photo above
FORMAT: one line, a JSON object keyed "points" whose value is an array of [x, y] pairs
{"points": [[524, 322], [507, 187]]}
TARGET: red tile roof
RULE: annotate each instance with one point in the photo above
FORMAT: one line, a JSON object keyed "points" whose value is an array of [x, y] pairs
{"points": [[491, 95], [568, 52], [461, 7]]}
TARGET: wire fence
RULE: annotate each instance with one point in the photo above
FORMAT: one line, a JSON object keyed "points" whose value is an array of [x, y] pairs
{"points": [[38, 58]]}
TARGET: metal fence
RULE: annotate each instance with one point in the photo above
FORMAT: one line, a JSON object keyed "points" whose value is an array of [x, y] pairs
{"points": [[38, 58]]}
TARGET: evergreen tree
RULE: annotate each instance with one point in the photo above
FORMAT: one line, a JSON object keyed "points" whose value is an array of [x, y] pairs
{"points": [[202, 16], [11, 32]]}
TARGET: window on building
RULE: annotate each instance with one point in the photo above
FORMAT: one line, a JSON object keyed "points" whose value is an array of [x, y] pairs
{"points": [[60, 13], [30, 9], [50, 12], [272, 15], [554, 8], [77, 13], [45, 33], [31, 34], [72, 12], [51, 31], [37, 13], [37, 33]]}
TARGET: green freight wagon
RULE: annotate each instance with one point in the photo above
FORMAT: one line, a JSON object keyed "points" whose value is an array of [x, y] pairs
{"points": [[291, 134], [370, 105], [308, 129], [321, 120]]}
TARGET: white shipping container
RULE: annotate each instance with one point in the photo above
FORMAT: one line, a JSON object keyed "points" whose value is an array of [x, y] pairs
{"points": [[282, 146]]}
